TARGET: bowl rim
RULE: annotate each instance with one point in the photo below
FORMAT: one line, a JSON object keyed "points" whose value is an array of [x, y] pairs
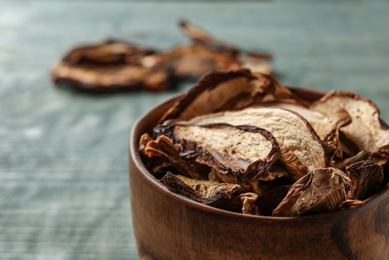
{"points": [[134, 155]]}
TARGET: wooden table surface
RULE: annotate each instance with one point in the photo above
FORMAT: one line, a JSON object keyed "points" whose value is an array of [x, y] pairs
{"points": [[63, 155]]}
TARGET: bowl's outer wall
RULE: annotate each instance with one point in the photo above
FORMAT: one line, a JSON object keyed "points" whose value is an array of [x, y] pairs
{"points": [[168, 226]]}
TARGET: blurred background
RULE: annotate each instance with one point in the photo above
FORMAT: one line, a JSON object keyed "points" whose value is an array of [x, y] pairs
{"points": [[63, 155]]}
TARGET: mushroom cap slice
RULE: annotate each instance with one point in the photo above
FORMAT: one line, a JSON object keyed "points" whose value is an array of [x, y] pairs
{"points": [[206, 192], [111, 66], [322, 190], [229, 90], [246, 152], [163, 147], [248, 200], [194, 59], [256, 61], [365, 129], [366, 178], [326, 126], [300, 147]]}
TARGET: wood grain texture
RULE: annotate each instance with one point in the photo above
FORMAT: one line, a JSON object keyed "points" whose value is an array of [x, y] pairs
{"points": [[63, 156]]}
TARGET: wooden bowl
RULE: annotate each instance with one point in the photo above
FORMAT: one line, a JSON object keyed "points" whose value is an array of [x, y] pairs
{"points": [[170, 226]]}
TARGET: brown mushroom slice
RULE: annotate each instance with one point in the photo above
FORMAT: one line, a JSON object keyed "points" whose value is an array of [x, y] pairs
{"points": [[318, 120], [247, 152], [365, 129], [320, 191], [301, 149], [256, 61], [341, 164], [248, 200], [193, 60], [164, 147], [210, 93], [366, 178], [326, 126], [111, 51], [200, 36], [206, 192], [228, 90], [111, 66], [331, 134]]}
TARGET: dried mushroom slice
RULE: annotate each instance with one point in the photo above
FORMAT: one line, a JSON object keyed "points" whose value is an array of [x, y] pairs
{"points": [[206, 192], [111, 51], [341, 164], [318, 120], [229, 90], [320, 191], [365, 129], [366, 178], [246, 152], [111, 66], [200, 36], [164, 147], [301, 149], [331, 134], [210, 93], [193, 60], [219, 55], [248, 203]]}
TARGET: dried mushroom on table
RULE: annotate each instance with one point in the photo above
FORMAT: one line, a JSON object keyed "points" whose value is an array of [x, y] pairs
{"points": [[241, 141], [115, 65]]}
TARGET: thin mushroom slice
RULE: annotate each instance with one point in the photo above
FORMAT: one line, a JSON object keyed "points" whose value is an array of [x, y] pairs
{"points": [[248, 200], [228, 90], [320, 191], [366, 128], [366, 178], [200, 36], [194, 59], [318, 120], [111, 66], [164, 147], [331, 134], [256, 61], [244, 151], [206, 192], [341, 164], [300, 147]]}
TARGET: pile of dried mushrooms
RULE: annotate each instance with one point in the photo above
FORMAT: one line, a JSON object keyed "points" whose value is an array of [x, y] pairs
{"points": [[114, 65], [241, 141]]}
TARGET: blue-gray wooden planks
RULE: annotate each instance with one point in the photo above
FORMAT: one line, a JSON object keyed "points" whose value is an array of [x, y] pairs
{"points": [[63, 156]]}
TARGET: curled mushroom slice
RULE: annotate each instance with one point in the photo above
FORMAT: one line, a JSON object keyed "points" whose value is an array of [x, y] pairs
{"points": [[365, 129], [200, 36], [193, 60], [111, 66], [300, 147], [341, 164], [366, 178], [164, 147], [248, 203], [228, 90], [318, 120], [322, 190], [331, 134], [217, 54], [206, 192], [246, 152]]}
